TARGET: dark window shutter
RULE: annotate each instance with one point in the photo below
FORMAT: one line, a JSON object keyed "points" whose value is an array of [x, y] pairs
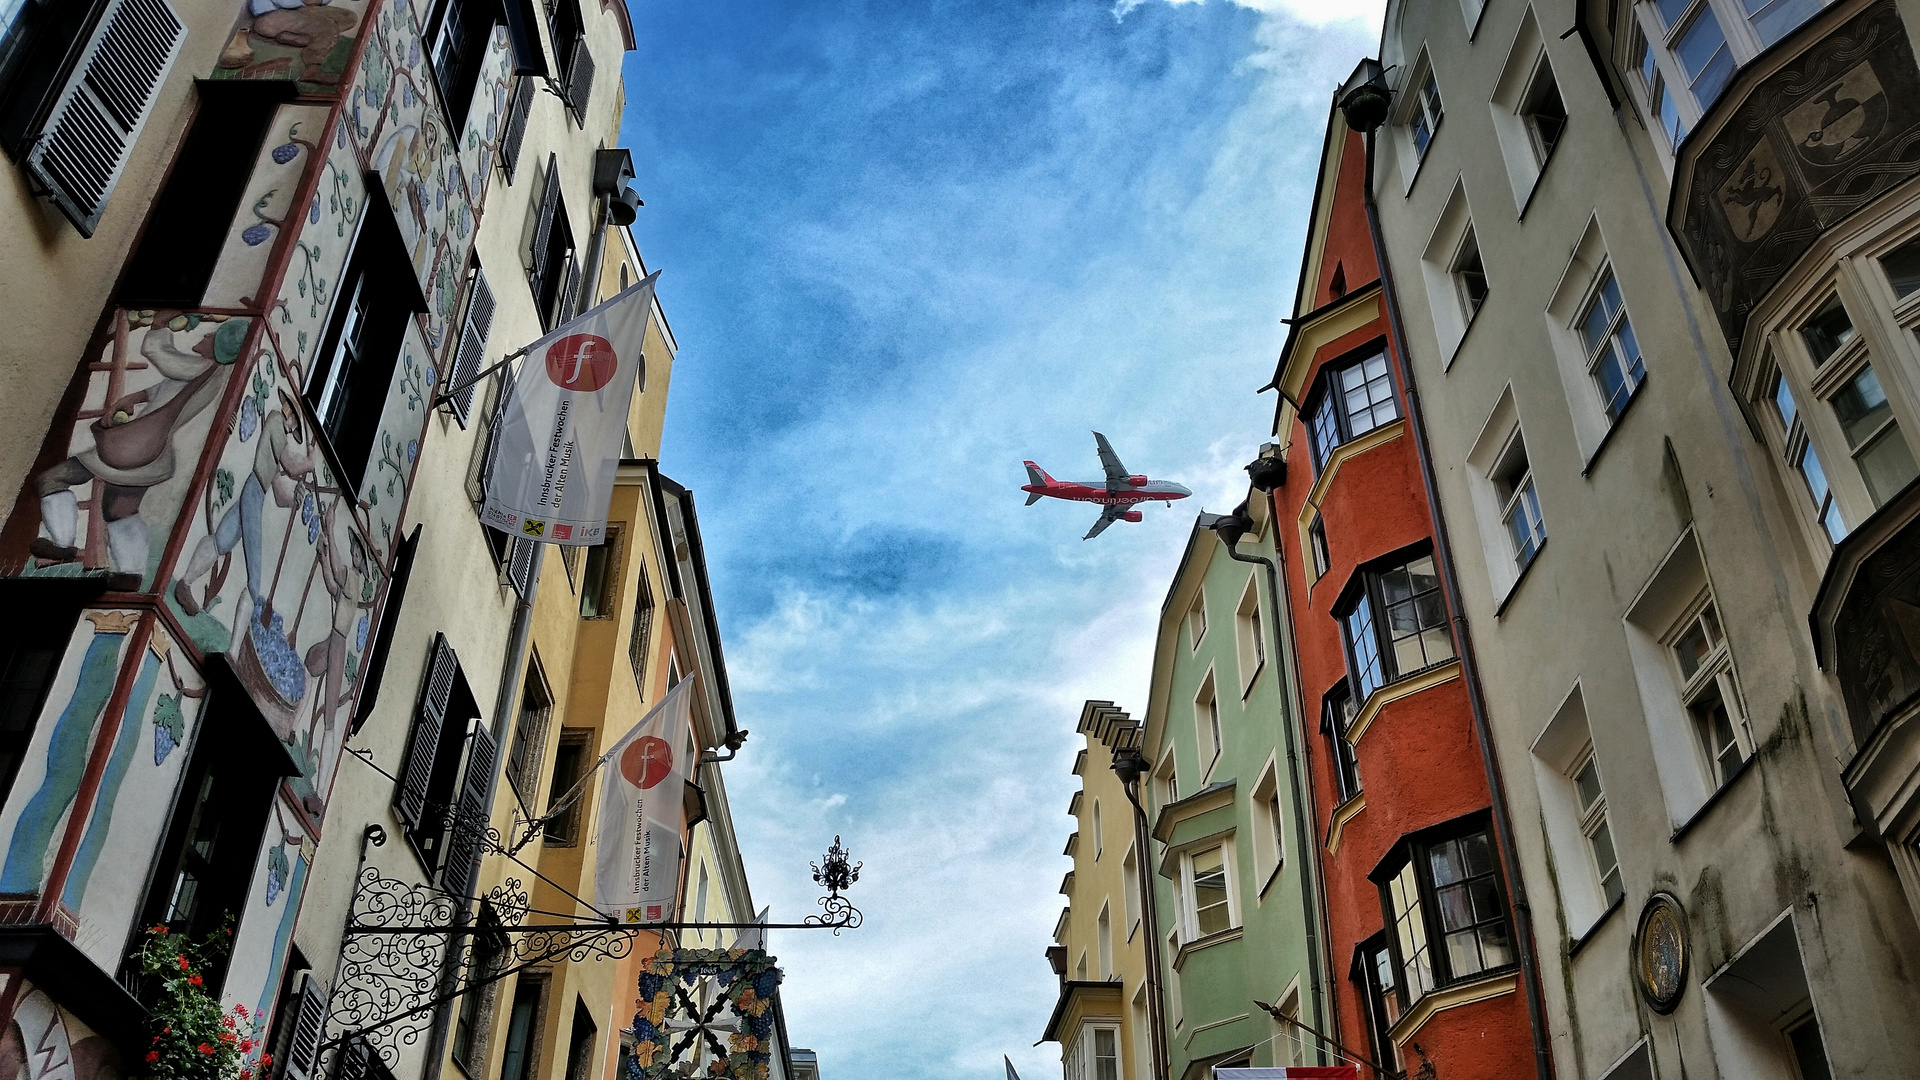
{"points": [[95, 120], [580, 79], [463, 852], [571, 302], [642, 629], [524, 91], [473, 346], [520, 569], [309, 1018], [376, 666], [424, 743], [536, 253]]}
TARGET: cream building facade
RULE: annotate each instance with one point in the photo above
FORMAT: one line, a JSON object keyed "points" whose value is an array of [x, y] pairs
{"points": [[1653, 264]]}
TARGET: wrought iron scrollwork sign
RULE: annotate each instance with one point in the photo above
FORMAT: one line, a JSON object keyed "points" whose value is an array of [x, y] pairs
{"points": [[410, 948], [837, 874]]}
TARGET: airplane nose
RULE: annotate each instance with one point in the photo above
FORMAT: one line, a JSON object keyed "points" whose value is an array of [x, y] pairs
{"points": [[1182, 489]]}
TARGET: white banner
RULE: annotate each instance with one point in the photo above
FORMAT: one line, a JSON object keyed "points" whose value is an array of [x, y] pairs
{"points": [[557, 442], [636, 871]]}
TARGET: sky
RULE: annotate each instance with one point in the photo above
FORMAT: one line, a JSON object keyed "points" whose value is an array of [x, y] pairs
{"points": [[906, 244]]}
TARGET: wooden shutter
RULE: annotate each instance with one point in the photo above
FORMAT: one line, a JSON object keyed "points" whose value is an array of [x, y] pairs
{"points": [[543, 224], [571, 303], [580, 79], [373, 671], [524, 91], [81, 151], [463, 850], [520, 568], [309, 1021], [473, 346], [424, 743]]}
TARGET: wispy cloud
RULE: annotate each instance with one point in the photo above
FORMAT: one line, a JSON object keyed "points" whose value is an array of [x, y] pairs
{"points": [[907, 246]]}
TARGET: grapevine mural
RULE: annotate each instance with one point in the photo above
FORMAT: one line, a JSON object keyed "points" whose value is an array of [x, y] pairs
{"points": [[309, 43]]}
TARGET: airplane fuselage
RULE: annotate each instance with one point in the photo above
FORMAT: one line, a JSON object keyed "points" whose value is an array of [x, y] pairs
{"points": [[1096, 492]]}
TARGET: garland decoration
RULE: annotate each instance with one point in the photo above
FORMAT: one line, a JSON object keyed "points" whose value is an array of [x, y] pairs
{"points": [[747, 979]]}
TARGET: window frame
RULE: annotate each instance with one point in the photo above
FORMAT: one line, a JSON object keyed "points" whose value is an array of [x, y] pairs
{"points": [[1467, 251], [1712, 677], [1189, 891], [1209, 730], [1320, 555], [1371, 958], [1413, 854], [1364, 593], [1541, 77], [1633, 374], [1593, 821], [1337, 713], [1325, 411], [457, 85], [1426, 111], [1522, 494]]}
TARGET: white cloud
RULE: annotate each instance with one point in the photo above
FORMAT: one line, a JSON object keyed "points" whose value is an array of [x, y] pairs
{"points": [[1311, 12]]}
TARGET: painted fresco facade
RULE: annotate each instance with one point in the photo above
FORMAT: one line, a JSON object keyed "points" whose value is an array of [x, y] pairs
{"points": [[203, 565]]}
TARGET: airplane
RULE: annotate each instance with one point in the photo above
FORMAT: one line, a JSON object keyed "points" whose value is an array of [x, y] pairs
{"points": [[1117, 493]]}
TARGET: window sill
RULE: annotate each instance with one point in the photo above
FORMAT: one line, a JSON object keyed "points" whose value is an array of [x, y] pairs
{"points": [[1342, 814], [1453, 996], [1500, 608], [1712, 801], [1586, 470], [1252, 677], [1272, 876], [1404, 686], [1188, 948], [1574, 946]]}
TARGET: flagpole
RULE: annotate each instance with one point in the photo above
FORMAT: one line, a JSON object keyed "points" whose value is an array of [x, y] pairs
{"points": [[448, 394], [558, 331]]}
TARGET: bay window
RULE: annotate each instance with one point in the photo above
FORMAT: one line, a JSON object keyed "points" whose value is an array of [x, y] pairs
{"points": [[1206, 892], [1686, 51], [1395, 623], [1445, 910], [1352, 399]]}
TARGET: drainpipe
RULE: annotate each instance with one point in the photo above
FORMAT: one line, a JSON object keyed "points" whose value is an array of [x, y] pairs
{"points": [[1319, 961], [1130, 765], [1365, 108]]}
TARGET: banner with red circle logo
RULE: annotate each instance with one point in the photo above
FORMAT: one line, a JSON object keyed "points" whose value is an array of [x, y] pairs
{"points": [[558, 437], [643, 810]]}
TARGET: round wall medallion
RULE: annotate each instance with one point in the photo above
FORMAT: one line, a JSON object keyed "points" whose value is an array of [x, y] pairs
{"points": [[1660, 952]]}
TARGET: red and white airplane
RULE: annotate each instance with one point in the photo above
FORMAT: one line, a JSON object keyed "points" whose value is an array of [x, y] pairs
{"points": [[1119, 492]]}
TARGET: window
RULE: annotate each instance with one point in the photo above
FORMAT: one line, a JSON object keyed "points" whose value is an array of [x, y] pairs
{"points": [[1702, 51], [580, 1045], [553, 271], [530, 734], [1830, 329], [1252, 639], [1208, 899], [1424, 121], [188, 222], [1142, 1037], [1105, 933], [1373, 970], [569, 761], [1095, 1054], [1902, 267], [1130, 894], [1613, 353], [1543, 113], [1660, 104], [1409, 636], [30, 651], [430, 776], [1775, 19], [1269, 827], [1197, 621], [1879, 449], [1317, 547], [1809, 1050], [458, 32], [214, 828], [525, 89], [1289, 1045], [1337, 715], [77, 81], [1512, 478], [599, 583], [1446, 911], [1469, 276], [489, 946], [576, 62], [1802, 459], [1699, 649], [1354, 399], [1099, 841], [353, 368], [1592, 801], [1080, 969], [641, 636], [1206, 715], [523, 1042], [1166, 781]]}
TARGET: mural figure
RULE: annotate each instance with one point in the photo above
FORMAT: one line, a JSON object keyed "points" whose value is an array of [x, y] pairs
{"points": [[133, 442], [351, 590], [38, 1046], [1842, 119], [282, 463], [1754, 192], [291, 39]]}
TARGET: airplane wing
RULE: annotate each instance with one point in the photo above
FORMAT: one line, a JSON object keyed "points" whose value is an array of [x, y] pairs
{"points": [[1108, 516], [1116, 473]]}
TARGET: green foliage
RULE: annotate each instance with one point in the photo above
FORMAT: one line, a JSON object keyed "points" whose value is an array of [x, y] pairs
{"points": [[192, 1038]]}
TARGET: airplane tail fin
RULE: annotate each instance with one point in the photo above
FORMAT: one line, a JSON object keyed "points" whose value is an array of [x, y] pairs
{"points": [[1037, 477]]}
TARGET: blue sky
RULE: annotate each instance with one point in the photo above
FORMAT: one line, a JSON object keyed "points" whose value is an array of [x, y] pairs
{"points": [[907, 244]]}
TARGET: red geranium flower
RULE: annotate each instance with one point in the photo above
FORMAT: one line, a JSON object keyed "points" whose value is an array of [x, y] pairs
{"points": [[266, 1060], [153, 1056], [206, 1048], [183, 962], [246, 1046], [194, 981]]}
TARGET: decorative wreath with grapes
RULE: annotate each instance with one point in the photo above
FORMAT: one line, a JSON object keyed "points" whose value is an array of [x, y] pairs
{"points": [[736, 1028]]}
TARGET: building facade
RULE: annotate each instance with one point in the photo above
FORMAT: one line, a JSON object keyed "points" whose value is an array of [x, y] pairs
{"points": [[1419, 894], [1653, 262], [1234, 890], [1107, 1007]]}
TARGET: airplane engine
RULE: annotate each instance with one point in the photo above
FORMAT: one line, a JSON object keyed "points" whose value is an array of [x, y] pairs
{"points": [[1137, 481], [1132, 515]]}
